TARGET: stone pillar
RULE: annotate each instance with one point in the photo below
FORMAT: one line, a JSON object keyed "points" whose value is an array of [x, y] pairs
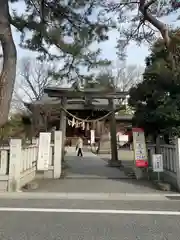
{"points": [[178, 162], [114, 154], [15, 165], [57, 154]]}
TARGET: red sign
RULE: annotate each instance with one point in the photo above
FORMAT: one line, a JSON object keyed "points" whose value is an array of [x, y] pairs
{"points": [[140, 152]]}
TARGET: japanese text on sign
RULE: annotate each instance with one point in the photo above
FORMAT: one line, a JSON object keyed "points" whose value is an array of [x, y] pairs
{"points": [[157, 160]]}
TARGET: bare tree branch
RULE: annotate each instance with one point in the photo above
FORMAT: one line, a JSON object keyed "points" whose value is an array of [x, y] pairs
{"points": [[120, 76], [32, 78], [140, 21], [126, 77]]}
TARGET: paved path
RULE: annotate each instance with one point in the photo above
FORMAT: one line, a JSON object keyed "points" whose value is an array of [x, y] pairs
{"points": [[91, 166], [91, 174]]}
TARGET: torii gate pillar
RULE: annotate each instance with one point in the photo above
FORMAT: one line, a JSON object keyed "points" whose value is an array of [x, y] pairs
{"points": [[114, 162], [62, 125]]}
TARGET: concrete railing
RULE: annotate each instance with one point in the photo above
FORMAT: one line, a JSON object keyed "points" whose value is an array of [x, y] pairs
{"points": [[29, 157], [28, 164], [169, 156], [171, 162], [4, 161], [22, 164], [17, 165], [4, 168]]}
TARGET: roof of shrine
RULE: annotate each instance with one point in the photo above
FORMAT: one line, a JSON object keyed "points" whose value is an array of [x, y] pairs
{"points": [[90, 92], [77, 103], [97, 100]]}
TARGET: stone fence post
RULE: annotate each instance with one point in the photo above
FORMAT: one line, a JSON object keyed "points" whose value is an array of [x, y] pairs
{"points": [[178, 163], [58, 153], [15, 165]]}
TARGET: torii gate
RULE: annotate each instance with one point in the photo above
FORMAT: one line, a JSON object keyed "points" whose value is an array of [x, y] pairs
{"points": [[69, 93]]}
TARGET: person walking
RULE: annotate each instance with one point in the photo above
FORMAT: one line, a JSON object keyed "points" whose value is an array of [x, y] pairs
{"points": [[79, 147]]}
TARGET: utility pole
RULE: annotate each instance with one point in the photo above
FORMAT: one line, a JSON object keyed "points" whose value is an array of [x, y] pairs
{"points": [[114, 153]]}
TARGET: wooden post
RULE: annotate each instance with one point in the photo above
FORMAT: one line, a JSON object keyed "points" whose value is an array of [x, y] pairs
{"points": [[62, 126], [114, 154]]}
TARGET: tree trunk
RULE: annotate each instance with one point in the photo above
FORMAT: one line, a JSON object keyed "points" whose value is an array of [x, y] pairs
{"points": [[148, 16], [8, 73]]}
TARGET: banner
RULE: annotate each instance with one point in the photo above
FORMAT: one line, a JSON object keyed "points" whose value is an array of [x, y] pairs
{"points": [[139, 144]]}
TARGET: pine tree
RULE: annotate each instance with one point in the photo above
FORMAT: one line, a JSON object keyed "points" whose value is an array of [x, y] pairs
{"points": [[61, 31]]}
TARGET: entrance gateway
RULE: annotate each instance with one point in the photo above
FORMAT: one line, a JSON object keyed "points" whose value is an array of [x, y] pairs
{"points": [[113, 102], [88, 113]]}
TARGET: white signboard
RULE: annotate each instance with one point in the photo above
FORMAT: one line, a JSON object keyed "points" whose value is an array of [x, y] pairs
{"points": [[44, 151], [157, 161], [92, 136]]}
